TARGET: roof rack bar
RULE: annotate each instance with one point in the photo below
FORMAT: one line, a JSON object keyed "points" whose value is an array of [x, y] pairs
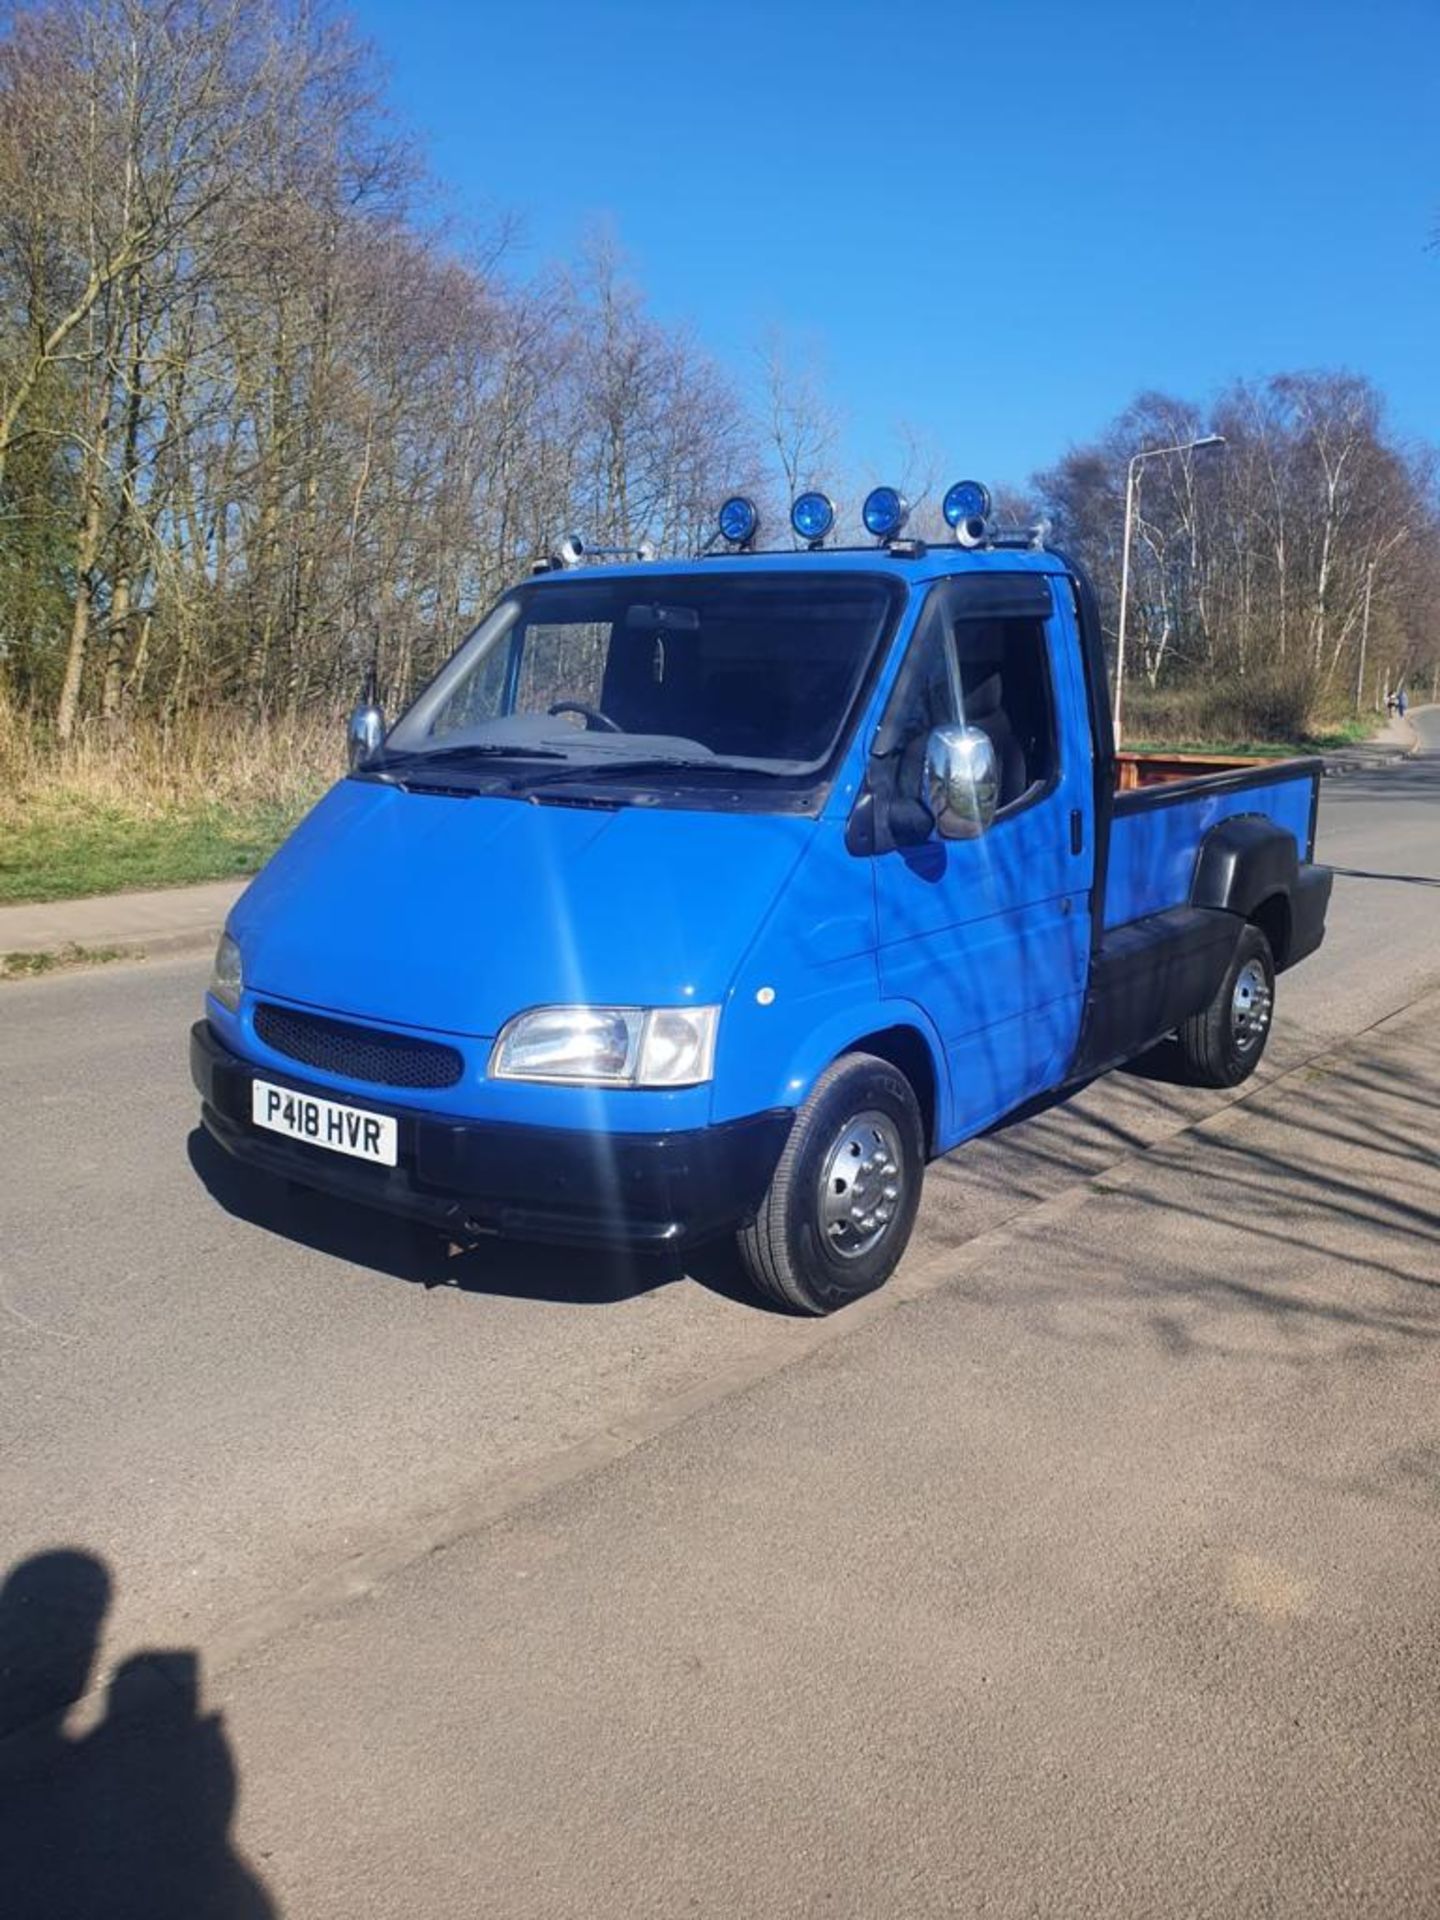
{"points": [[573, 552], [1035, 537]]}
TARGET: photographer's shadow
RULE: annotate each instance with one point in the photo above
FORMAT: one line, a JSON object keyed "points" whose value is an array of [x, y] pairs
{"points": [[130, 1820]]}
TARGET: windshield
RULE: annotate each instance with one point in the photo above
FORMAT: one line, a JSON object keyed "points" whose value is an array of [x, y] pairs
{"points": [[689, 674]]}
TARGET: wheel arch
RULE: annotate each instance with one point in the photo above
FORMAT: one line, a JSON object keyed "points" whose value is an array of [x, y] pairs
{"points": [[906, 1049], [895, 1031], [1249, 866]]}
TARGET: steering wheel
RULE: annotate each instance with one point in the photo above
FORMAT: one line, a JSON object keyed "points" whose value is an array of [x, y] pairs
{"points": [[591, 715]]}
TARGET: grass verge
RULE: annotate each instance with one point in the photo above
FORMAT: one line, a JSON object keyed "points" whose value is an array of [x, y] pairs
{"points": [[154, 806], [61, 846], [1327, 742]]}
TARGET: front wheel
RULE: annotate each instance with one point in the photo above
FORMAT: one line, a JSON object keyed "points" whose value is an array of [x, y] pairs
{"points": [[1222, 1044], [842, 1202]]}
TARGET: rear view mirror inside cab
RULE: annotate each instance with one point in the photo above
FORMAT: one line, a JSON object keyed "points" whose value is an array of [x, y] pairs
{"points": [[663, 620]]}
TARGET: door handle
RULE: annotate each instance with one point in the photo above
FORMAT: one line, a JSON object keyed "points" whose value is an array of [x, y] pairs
{"points": [[1077, 830]]}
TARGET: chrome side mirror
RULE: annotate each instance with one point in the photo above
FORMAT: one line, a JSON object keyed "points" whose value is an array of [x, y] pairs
{"points": [[962, 781], [364, 733]]}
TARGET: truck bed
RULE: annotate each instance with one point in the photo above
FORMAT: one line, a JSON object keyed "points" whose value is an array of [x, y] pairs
{"points": [[1174, 892], [1134, 770], [1165, 806]]}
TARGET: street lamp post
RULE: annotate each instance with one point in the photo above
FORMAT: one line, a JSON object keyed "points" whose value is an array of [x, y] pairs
{"points": [[1131, 489]]}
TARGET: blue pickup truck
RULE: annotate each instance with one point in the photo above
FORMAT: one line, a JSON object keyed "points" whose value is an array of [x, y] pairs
{"points": [[715, 897]]}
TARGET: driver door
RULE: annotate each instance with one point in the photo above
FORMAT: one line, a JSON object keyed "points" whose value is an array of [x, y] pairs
{"points": [[991, 936]]}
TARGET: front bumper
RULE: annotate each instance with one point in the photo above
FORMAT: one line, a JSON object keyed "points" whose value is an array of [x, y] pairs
{"points": [[533, 1183]]}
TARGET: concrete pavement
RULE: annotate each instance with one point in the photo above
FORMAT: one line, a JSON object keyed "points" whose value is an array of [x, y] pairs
{"points": [[1092, 1573], [1397, 739], [1099, 1580], [159, 920]]}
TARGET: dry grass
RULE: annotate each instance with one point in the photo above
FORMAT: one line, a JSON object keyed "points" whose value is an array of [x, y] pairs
{"points": [[155, 806], [205, 759], [1262, 712]]}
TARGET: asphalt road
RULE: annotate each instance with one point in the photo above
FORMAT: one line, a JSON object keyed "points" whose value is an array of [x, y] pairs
{"points": [[541, 1584]]}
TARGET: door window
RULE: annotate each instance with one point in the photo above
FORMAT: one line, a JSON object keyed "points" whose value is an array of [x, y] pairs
{"points": [[990, 673], [1002, 671]]}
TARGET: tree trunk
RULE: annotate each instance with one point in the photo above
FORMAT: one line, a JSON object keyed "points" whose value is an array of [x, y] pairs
{"points": [[127, 531], [87, 552]]}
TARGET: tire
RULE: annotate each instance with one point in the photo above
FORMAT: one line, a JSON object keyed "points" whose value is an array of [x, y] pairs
{"points": [[1222, 1044], [822, 1238]]}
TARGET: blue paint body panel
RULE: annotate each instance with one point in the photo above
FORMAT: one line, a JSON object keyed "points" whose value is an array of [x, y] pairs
{"points": [[1153, 849], [437, 914], [992, 936]]}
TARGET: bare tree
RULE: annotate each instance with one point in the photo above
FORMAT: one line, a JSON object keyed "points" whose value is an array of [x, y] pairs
{"points": [[260, 419], [800, 426], [1256, 572]]}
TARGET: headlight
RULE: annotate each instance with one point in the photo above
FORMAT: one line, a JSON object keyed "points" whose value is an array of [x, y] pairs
{"points": [[609, 1046], [227, 982]]}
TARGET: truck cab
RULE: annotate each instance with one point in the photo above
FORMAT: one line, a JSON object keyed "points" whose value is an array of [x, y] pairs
{"points": [[718, 896]]}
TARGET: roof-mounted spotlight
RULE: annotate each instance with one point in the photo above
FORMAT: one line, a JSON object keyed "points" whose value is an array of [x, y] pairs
{"points": [[885, 512], [739, 521], [812, 516], [966, 500], [966, 510], [572, 550]]}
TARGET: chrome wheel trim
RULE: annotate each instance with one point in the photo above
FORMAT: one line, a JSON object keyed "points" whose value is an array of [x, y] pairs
{"points": [[862, 1184], [1250, 1006]]}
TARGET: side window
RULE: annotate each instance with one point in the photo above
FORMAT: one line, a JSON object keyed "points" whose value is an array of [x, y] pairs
{"points": [[1002, 673], [987, 672], [926, 694]]}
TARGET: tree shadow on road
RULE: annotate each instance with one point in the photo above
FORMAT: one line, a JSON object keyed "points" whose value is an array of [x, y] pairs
{"points": [[130, 1820], [1306, 1227], [521, 1270]]}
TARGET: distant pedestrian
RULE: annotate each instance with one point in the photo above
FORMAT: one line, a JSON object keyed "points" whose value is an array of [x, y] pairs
{"points": [[1390, 706], [1401, 703]]}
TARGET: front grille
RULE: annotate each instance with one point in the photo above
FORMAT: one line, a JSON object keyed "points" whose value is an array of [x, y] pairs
{"points": [[358, 1053]]}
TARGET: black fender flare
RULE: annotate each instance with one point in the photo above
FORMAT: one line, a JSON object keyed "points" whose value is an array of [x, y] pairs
{"points": [[1243, 862]]}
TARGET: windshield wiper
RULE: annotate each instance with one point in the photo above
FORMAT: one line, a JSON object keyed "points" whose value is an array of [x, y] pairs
{"points": [[418, 757], [412, 767], [649, 763]]}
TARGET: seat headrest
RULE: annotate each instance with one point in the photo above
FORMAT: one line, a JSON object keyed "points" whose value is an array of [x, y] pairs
{"points": [[982, 700]]}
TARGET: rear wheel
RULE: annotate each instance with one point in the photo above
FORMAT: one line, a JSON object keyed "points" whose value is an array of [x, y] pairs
{"points": [[840, 1208], [1222, 1044]]}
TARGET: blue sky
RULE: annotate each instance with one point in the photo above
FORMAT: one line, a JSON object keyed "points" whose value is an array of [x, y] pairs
{"points": [[993, 223]]}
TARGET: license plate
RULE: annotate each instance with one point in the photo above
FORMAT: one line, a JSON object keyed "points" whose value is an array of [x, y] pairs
{"points": [[325, 1123]]}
